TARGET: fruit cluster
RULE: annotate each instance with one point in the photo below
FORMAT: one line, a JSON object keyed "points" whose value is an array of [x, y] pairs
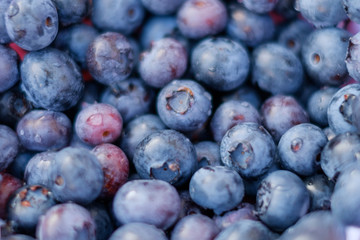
{"points": [[179, 119]]}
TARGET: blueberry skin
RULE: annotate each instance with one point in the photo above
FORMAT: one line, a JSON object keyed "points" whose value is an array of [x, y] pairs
{"points": [[200, 18], [4, 37], [131, 203], [38, 169], [314, 226], [156, 28], [27, 205], [76, 175], [262, 6], [110, 58], [103, 223], [246, 229], [352, 9], [9, 146], [208, 154], [194, 227], [184, 105], [137, 231], [13, 106], [280, 113], [276, 69], [161, 7], [245, 93], [317, 105], [230, 113], [331, 13], [51, 79], [71, 11], [122, 16], [69, 221], [339, 152], [32, 25], [341, 115], [41, 130], [75, 40], [353, 56], [19, 237], [17, 167], [300, 147], [286, 9], [343, 206], [220, 63], [281, 200], [248, 27], [294, 34], [321, 190], [165, 61], [323, 55], [166, 155], [218, 188], [131, 97], [248, 148], [137, 129], [9, 68]]}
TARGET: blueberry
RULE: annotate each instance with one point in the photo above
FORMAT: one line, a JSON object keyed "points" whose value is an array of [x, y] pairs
{"points": [[71, 11], [19, 237], [166, 155], [248, 27], [207, 153], [353, 57], [27, 205], [321, 190], [75, 40], [131, 97], [184, 105], [218, 188], [71, 171], [9, 146], [324, 13], [41, 130], [323, 55], [300, 147], [220, 63], [352, 9], [98, 123], [317, 105], [9, 68], [340, 152], [281, 200], [316, 225], [131, 203], [38, 169], [4, 37], [136, 130], [200, 18], [103, 223], [122, 16], [248, 148], [244, 93], [165, 61], [280, 113], [261, 6], [51, 79], [294, 35], [276, 69], [17, 167], [109, 58], [193, 227], [32, 25], [115, 166], [161, 7], [68, 221], [138, 230], [340, 111], [8, 185], [246, 229]]}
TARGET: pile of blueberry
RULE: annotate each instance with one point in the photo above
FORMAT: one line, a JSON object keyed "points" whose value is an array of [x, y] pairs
{"points": [[179, 119]]}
